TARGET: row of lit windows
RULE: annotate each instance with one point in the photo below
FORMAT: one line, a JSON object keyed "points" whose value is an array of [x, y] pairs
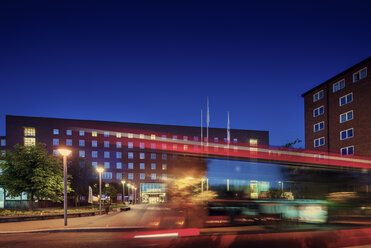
{"points": [[119, 165], [107, 154], [142, 176]]}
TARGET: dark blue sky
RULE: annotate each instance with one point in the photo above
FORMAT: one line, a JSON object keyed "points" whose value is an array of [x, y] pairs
{"points": [[155, 61]]}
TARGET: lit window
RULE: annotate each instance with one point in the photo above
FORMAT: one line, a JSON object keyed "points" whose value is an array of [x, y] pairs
{"points": [[141, 155], [68, 142], [319, 142], [94, 143], [164, 166], [68, 132], [175, 137], [346, 134], [82, 133], [55, 152], [153, 155], [81, 142], [153, 166], [141, 136], [153, 176], [318, 111], [3, 142], [153, 146], [118, 155], [164, 176], [163, 146], [118, 165], [142, 166], [107, 175], [29, 132], [153, 137], [185, 137], [345, 99], [94, 164], [346, 116], [235, 140], [195, 138], [94, 154], [130, 155], [118, 144], [163, 137], [118, 176], [55, 142], [55, 131], [318, 96], [130, 176], [106, 155], [106, 165], [338, 86], [106, 134], [216, 139], [253, 142], [360, 75], [347, 151], [130, 135], [118, 135], [106, 144], [164, 156], [82, 154], [130, 166], [142, 176], [319, 126], [130, 144], [94, 134], [141, 145]]}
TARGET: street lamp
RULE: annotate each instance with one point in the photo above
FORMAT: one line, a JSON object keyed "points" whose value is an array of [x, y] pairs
{"points": [[100, 171], [123, 191], [135, 195], [65, 153], [129, 187]]}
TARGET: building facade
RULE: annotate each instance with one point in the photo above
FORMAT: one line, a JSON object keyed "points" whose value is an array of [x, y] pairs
{"points": [[143, 155], [338, 113]]}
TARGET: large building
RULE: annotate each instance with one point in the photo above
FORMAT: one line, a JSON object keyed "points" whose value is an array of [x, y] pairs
{"points": [[142, 154], [338, 113]]}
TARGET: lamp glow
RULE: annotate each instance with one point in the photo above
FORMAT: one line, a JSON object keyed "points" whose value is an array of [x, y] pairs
{"points": [[64, 152], [100, 169]]}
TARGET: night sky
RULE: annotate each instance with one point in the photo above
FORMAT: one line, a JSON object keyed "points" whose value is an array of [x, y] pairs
{"points": [[156, 61]]}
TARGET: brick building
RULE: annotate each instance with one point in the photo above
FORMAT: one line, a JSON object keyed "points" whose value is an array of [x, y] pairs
{"points": [[338, 113], [141, 154]]}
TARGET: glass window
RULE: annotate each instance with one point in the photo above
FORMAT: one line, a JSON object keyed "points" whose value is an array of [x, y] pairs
{"points": [[164, 166], [106, 144], [319, 142], [94, 164], [185, 137], [94, 143], [318, 126], [82, 133], [55, 131], [106, 165], [118, 135], [163, 137], [55, 153], [347, 151], [118, 144], [106, 134], [153, 137], [118, 175], [142, 176], [94, 134], [153, 146], [130, 135], [29, 132], [164, 156], [55, 142], [130, 166], [318, 96], [82, 154], [141, 155], [360, 75], [153, 166], [130, 144], [253, 142], [345, 99], [118, 165], [106, 155], [338, 86], [346, 134], [141, 145], [130, 155], [195, 138], [81, 142], [164, 176], [130, 176], [153, 155], [235, 140], [216, 139], [142, 166], [318, 111], [118, 155], [153, 176], [68, 132], [346, 116], [68, 142], [175, 137], [94, 154], [107, 175], [141, 136]]}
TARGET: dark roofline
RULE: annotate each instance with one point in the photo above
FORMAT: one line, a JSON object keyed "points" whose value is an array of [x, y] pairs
{"points": [[338, 75], [133, 123]]}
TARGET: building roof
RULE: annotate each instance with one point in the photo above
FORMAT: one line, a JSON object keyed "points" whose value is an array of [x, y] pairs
{"points": [[336, 76]]}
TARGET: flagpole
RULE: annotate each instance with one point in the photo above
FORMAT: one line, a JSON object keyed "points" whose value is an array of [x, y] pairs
{"points": [[207, 122]]}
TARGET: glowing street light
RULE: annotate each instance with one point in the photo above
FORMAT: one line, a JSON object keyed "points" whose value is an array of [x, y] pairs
{"points": [[65, 153], [123, 191], [100, 171]]}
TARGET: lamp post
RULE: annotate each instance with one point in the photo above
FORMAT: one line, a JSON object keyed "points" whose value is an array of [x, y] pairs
{"points": [[129, 187], [100, 171], [123, 191], [65, 153], [135, 195]]}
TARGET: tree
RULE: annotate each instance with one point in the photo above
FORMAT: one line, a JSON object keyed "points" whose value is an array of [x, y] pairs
{"points": [[30, 169]]}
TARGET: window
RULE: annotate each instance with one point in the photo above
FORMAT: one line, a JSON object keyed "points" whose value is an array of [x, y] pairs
{"points": [[164, 176], [29, 132], [175, 137], [338, 86], [319, 126], [130, 176], [94, 154], [141, 136], [68, 142], [55, 131], [118, 165], [318, 96], [142, 166], [347, 151], [130, 166], [81, 142], [163, 137], [216, 139], [130, 155], [82, 154], [55, 142], [94, 164], [153, 146], [130, 135], [319, 142], [345, 99], [164, 166], [106, 165], [235, 140], [107, 175], [153, 137], [153, 166], [346, 116], [195, 138], [141, 155], [142, 176], [68, 132], [164, 156], [360, 75], [106, 144], [253, 142], [118, 176], [318, 111], [118, 135], [106, 154], [94, 143], [130, 144], [163, 146], [94, 134], [55, 152], [82, 133], [118, 155], [141, 145], [185, 137], [346, 134], [118, 144], [153, 176], [106, 134], [153, 155]]}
